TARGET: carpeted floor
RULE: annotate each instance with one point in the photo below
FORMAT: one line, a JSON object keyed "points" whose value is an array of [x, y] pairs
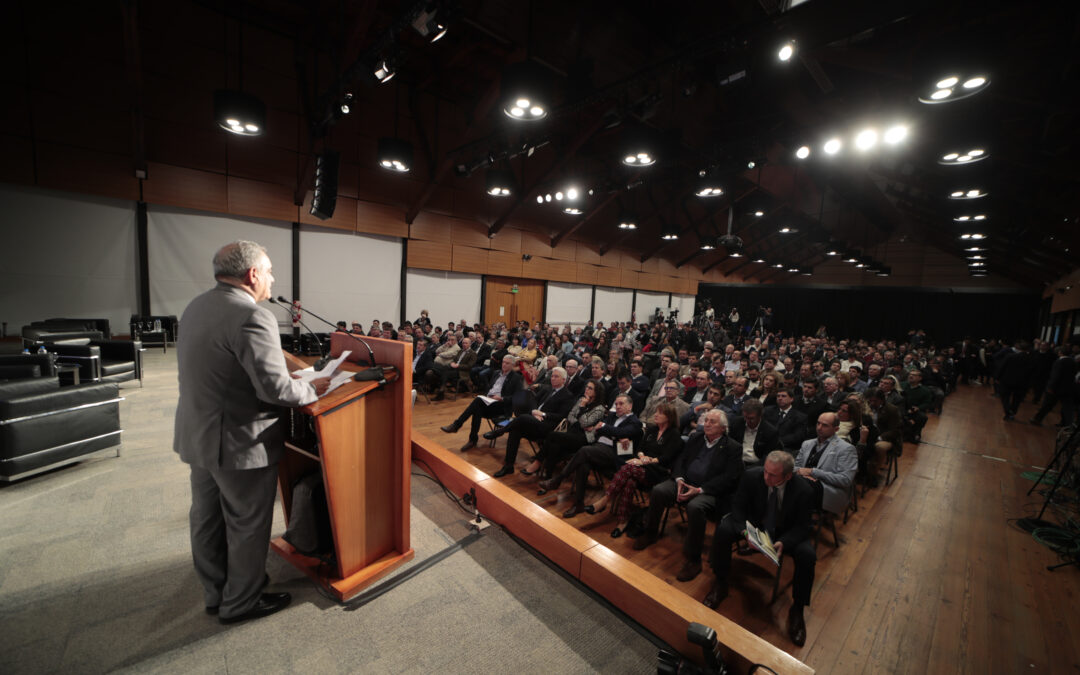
{"points": [[95, 576]]}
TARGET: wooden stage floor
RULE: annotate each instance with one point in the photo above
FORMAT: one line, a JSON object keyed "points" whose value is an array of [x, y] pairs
{"points": [[931, 575]]}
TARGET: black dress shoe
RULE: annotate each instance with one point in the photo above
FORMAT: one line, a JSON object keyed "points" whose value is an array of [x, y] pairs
{"points": [[451, 428], [716, 595], [494, 433], [592, 510], [616, 533], [796, 626], [573, 511], [549, 484], [268, 604], [468, 446], [505, 471], [690, 570]]}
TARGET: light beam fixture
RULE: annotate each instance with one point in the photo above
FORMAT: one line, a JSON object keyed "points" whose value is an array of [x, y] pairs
{"points": [[669, 232], [240, 113], [395, 154], [500, 183], [955, 86], [526, 92]]}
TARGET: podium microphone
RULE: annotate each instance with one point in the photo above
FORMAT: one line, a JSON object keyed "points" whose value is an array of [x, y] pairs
{"points": [[323, 359], [371, 354]]}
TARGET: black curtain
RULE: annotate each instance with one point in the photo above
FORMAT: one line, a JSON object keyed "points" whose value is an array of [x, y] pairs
{"points": [[946, 315]]}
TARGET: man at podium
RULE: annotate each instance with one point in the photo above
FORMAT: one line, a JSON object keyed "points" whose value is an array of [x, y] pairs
{"points": [[232, 375]]}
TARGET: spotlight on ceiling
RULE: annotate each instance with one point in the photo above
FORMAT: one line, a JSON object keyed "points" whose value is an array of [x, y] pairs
{"points": [[803, 152], [832, 146], [709, 184], [967, 217], [432, 22], [777, 265], [976, 257], [793, 268], [346, 104], [954, 87], [239, 112], [974, 249], [759, 261], [573, 210], [627, 221], [866, 139], [851, 257], [788, 229], [786, 51], [669, 232], [525, 91], [957, 157], [884, 271], [895, 134], [500, 183], [974, 193], [395, 154], [759, 213], [972, 236], [708, 243], [806, 271], [385, 69]]}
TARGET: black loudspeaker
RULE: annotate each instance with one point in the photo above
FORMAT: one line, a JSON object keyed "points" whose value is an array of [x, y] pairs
{"points": [[326, 180]]}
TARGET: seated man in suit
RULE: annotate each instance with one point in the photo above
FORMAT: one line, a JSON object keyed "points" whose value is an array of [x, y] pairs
{"points": [[624, 386], [501, 386], [790, 422], [575, 379], [738, 395], [886, 418], [458, 367], [700, 390], [423, 359], [810, 404], [638, 379], [704, 477], [775, 500], [671, 374], [830, 464], [690, 422], [555, 404], [616, 440], [756, 437], [668, 394]]}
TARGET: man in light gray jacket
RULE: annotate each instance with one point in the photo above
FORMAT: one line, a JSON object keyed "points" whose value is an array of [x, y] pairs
{"points": [[830, 463], [232, 377]]}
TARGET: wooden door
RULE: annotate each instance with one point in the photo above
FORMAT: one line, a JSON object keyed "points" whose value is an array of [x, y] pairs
{"points": [[502, 304]]}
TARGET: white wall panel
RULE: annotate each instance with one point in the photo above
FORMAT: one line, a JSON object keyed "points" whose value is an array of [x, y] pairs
{"points": [[685, 305], [613, 304], [568, 304], [647, 302], [350, 277], [66, 255], [182, 244], [447, 296]]}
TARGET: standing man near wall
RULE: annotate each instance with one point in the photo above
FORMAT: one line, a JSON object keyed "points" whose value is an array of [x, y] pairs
{"points": [[232, 376]]}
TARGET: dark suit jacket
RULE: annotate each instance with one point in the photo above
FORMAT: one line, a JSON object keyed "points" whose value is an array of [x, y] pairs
{"points": [[793, 430], [576, 384], [812, 410], [513, 384], [768, 439], [557, 406], [724, 470], [731, 404], [793, 524], [888, 424], [635, 396], [630, 428], [642, 385], [427, 361]]}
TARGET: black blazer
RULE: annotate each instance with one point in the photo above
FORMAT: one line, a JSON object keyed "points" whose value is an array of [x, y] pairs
{"points": [[635, 397], [427, 361], [666, 450], [576, 384], [513, 384], [557, 406], [641, 384], [751, 500], [793, 430], [812, 410], [724, 470], [768, 438]]}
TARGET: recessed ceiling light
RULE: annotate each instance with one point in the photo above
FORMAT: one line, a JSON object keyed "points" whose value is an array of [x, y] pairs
{"points": [[735, 254], [974, 82], [947, 82], [759, 260], [803, 152], [948, 89], [759, 213], [832, 146], [778, 266], [967, 157], [786, 51], [895, 134], [866, 139]]}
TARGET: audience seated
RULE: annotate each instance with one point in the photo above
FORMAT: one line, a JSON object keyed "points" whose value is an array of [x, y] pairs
{"points": [[779, 502], [554, 405], [703, 480], [501, 387], [756, 437], [669, 394], [830, 464], [789, 421], [582, 420]]}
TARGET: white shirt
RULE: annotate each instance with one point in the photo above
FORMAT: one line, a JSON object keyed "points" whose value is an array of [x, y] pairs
{"points": [[748, 454]]}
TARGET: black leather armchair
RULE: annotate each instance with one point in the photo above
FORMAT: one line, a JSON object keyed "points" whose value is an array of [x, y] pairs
{"points": [[102, 360], [16, 366], [43, 426]]}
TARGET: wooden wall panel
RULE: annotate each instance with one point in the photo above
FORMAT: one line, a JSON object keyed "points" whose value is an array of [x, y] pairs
{"points": [[508, 240], [564, 251], [649, 282], [469, 233], [628, 261], [627, 278], [559, 270], [381, 219], [261, 200], [181, 145], [86, 171], [251, 158], [16, 160], [504, 263], [667, 267], [535, 243], [587, 274], [344, 217], [188, 188], [587, 252], [471, 260], [429, 255], [651, 266], [432, 227]]}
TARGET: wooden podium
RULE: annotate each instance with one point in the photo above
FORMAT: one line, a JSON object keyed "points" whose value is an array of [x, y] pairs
{"points": [[363, 431]]}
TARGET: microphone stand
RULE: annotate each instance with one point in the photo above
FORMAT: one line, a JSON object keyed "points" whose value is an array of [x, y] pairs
{"points": [[371, 354], [323, 359]]}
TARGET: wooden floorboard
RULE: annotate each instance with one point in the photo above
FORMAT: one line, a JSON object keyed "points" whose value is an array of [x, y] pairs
{"points": [[931, 575]]}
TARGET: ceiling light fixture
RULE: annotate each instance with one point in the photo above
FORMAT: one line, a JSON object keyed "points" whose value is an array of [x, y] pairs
{"points": [[954, 87], [759, 261], [866, 139], [669, 232], [709, 184], [778, 265], [525, 92], [627, 221], [832, 146], [500, 183], [786, 51], [395, 154], [956, 158], [896, 134], [803, 152], [384, 70], [884, 271], [431, 22], [735, 254], [974, 193], [346, 103], [240, 113], [787, 229], [976, 236], [708, 243]]}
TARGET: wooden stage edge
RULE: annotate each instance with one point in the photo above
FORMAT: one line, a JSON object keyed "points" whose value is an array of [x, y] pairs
{"points": [[655, 604]]}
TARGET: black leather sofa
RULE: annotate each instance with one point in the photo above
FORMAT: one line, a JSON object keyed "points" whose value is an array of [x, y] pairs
{"points": [[43, 426], [101, 360], [16, 366]]}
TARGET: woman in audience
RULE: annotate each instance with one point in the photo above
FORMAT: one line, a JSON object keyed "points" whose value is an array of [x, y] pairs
{"points": [[652, 465], [602, 348], [769, 387], [515, 345], [586, 414], [529, 352]]}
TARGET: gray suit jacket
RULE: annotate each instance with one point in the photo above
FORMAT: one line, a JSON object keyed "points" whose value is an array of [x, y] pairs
{"points": [[835, 469], [232, 375]]}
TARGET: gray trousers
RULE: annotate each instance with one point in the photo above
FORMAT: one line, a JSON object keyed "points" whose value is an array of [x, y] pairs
{"points": [[232, 512]]}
